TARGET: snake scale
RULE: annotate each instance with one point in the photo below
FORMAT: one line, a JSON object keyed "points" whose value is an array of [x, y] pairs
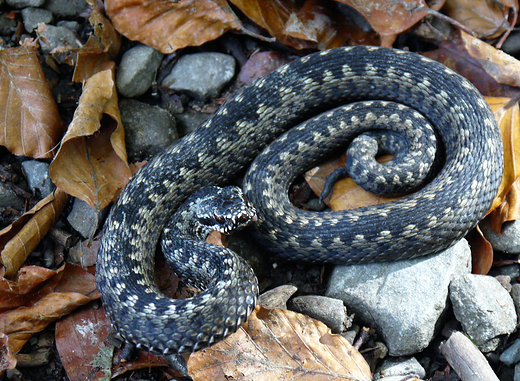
{"points": [[427, 221]]}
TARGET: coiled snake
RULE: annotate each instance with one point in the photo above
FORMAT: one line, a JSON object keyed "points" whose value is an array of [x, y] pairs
{"points": [[427, 221]]}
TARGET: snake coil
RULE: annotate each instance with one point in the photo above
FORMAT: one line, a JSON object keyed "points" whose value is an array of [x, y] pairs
{"points": [[428, 221]]}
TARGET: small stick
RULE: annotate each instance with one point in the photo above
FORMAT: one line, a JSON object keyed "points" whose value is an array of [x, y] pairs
{"points": [[465, 358]]}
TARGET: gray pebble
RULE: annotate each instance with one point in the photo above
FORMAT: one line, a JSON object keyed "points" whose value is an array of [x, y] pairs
{"points": [[148, 129], [19, 4], [38, 178], [277, 297], [66, 8], [330, 311], [515, 294], [202, 75], [509, 239], [56, 36], [84, 219], [189, 121], [72, 25], [511, 355], [34, 16], [484, 308], [137, 70], [10, 199], [399, 368], [7, 25]]}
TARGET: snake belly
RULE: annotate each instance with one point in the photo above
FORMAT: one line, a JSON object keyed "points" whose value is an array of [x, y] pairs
{"points": [[226, 144]]}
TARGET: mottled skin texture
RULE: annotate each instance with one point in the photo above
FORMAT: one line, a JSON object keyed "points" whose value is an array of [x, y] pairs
{"points": [[428, 221]]}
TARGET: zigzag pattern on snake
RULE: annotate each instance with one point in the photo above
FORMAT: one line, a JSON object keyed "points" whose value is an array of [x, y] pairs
{"points": [[428, 221]]}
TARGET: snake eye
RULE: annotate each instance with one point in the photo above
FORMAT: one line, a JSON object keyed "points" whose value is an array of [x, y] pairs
{"points": [[219, 219]]}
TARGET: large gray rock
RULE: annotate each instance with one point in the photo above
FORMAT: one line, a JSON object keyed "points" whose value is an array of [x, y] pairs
{"points": [[404, 299], [484, 308]]}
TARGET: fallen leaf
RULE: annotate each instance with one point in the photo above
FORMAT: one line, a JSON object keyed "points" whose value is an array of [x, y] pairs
{"points": [[7, 358], [70, 288], [27, 283], [92, 59], [346, 194], [92, 163], [104, 30], [171, 25], [280, 345], [390, 17], [79, 337], [506, 206], [493, 72], [20, 238], [30, 124], [261, 64], [101, 48], [481, 252], [304, 25], [487, 18]]}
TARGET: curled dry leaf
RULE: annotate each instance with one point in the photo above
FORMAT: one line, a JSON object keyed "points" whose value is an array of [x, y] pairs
{"points": [[91, 163], [104, 30], [30, 124], [171, 25], [390, 17], [79, 337], [308, 25], [280, 345], [481, 252], [506, 206], [92, 58], [20, 238], [67, 289], [492, 71], [346, 194], [484, 17]]}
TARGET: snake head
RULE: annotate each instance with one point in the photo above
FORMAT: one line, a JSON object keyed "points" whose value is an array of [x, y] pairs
{"points": [[224, 210]]}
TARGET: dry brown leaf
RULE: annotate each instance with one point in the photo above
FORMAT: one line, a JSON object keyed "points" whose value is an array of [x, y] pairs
{"points": [[96, 55], [346, 194], [492, 71], [92, 59], [23, 287], [261, 64], [79, 337], [92, 163], [104, 30], [30, 124], [481, 252], [171, 25], [7, 358], [311, 24], [390, 17], [20, 238], [69, 288], [280, 345], [487, 18], [506, 206]]}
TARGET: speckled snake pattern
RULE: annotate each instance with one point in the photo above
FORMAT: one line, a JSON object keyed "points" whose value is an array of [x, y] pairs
{"points": [[427, 221]]}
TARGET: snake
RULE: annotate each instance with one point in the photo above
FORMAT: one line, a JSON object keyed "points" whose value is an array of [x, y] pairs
{"points": [[296, 105]]}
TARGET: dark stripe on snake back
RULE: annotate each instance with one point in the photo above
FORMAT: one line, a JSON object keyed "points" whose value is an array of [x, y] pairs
{"points": [[227, 143]]}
